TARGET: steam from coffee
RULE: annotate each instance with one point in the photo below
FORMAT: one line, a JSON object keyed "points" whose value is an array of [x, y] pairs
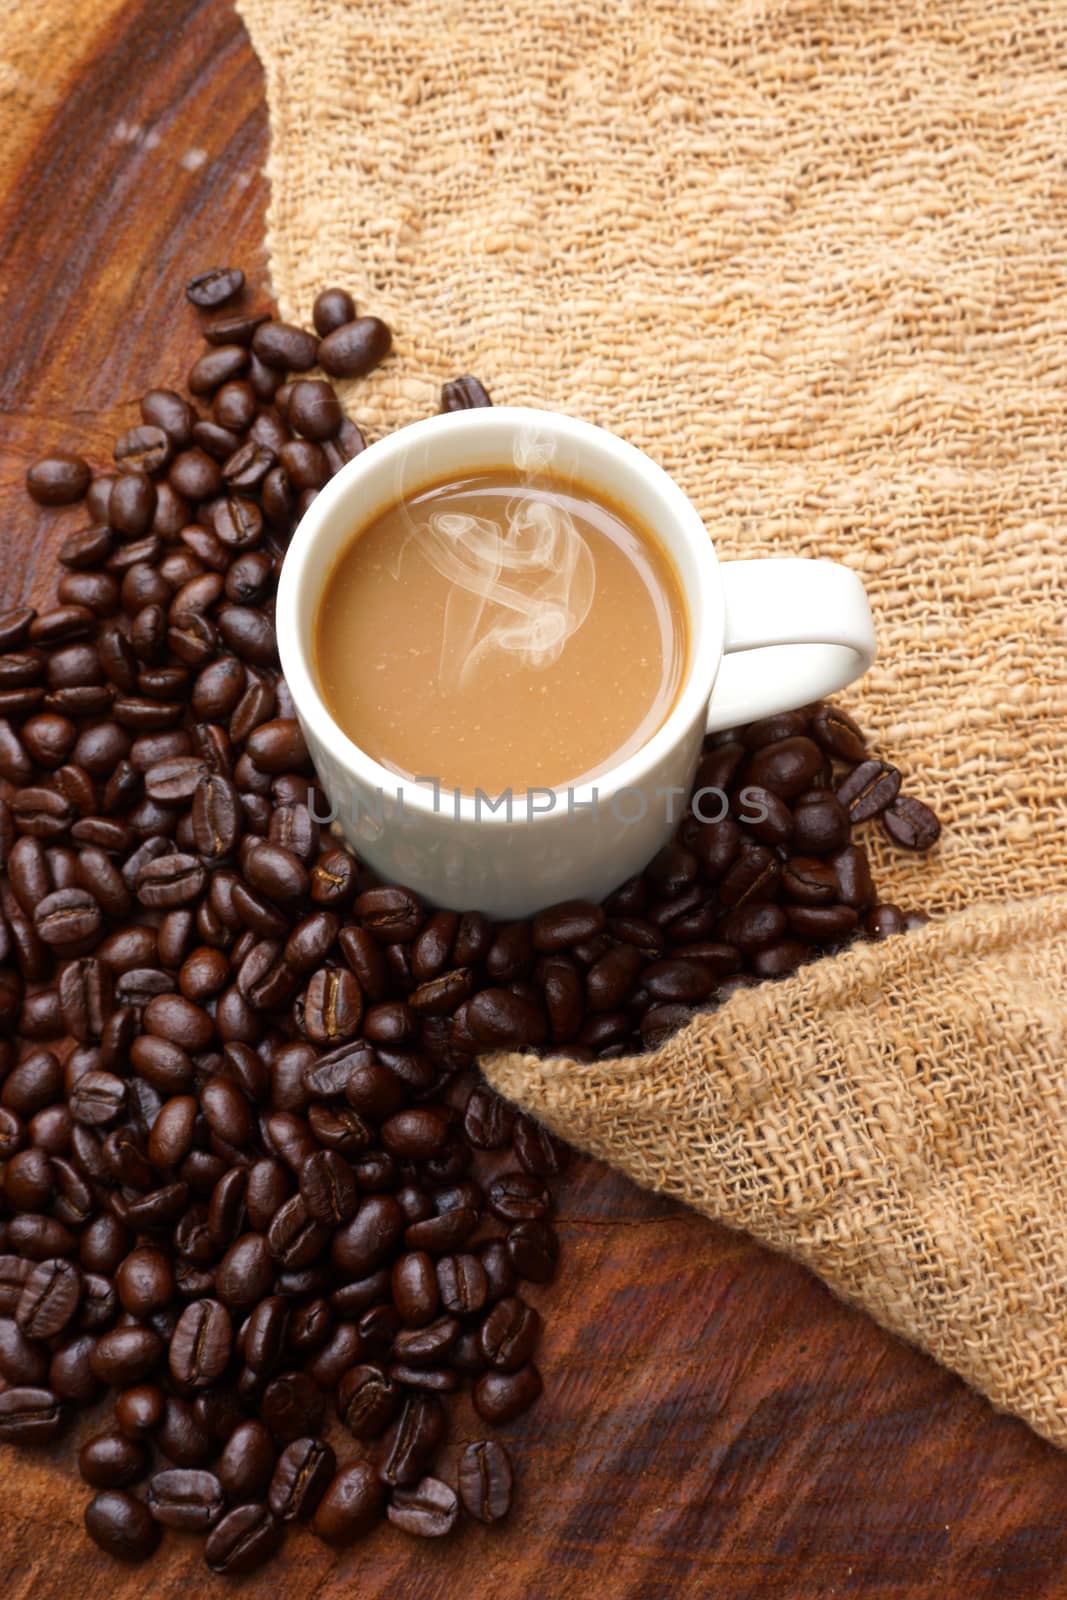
{"points": [[521, 585]]}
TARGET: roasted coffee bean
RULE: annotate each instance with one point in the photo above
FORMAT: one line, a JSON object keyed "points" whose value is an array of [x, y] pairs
{"points": [[611, 979], [463, 1284], [537, 1151], [366, 1401], [112, 1460], [488, 1121], [203, 973], [70, 1375], [566, 924], [265, 1334], [143, 449], [809, 881], [294, 1238], [414, 1289], [509, 1334], [333, 878], [58, 480], [412, 1441], [428, 1509], [765, 815], [39, 1237], [247, 1461], [486, 1480], [174, 779], [238, 523], [428, 1346], [144, 1280], [304, 1471], [214, 287], [216, 816], [442, 1234], [292, 1406], [787, 767], [313, 409], [121, 1525], [332, 309], [883, 921], [41, 813], [195, 475], [218, 365], [15, 626], [170, 880], [98, 1098], [463, 394], [912, 824], [499, 1397], [751, 927], [332, 1006], [499, 1019], [353, 348], [821, 924], [131, 505], [22, 667], [518, 1197], [226, 1111], [416, 1134], [200, 1348], [778, 960], [248, 578], [49, 1299], [172, 1017], [98, 591], [166, 409], [370, 1237], [838, 734], [22, 1359], [13, 1274], [179, 1436], [234, 327], [274, 871], [139, 1410], [869, 789], [246, 1272], [28, 1180], [328, 1188], [352, 1506], [304, 463], [243, 1540], [820, 824], [30, 1415], [185, 1498], [285, 347], [533, 1251], [49, 739]]}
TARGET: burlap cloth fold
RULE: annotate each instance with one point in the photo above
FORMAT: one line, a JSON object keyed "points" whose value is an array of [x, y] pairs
{"points": [[812, 257]]}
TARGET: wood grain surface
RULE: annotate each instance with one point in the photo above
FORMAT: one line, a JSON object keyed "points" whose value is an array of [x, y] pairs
{"points": [[714, 1423]]}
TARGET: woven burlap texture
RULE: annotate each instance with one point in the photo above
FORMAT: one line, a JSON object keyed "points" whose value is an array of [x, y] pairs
{"points": [[811, 257], [896, 1119]]}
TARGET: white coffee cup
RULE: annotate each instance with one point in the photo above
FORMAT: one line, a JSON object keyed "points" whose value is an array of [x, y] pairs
{"points": [[764, 636]]}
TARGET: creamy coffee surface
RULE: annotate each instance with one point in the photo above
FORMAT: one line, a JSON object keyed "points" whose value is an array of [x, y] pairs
{"points": [[503, 630]]}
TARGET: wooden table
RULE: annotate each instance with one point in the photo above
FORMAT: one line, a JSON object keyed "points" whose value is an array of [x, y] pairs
{"points": [[714, 1423]]}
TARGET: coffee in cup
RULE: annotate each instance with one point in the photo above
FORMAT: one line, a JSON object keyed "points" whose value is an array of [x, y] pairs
{"points": [[501, 629]]}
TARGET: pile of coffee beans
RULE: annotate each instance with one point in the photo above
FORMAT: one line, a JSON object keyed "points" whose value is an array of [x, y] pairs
{"points": [[254, 1195]]}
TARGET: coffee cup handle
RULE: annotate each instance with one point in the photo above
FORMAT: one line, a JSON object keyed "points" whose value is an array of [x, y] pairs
{"points": [[795, 630]]}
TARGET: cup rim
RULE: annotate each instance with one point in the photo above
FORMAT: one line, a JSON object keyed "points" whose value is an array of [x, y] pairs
{"points": [[706, 636]]}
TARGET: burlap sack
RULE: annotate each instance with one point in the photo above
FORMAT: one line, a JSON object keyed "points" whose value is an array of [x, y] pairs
{"points": [[811, 257]]}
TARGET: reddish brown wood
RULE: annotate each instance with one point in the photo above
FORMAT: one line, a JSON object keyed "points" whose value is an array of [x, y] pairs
{"points": [[713, 1422]]}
